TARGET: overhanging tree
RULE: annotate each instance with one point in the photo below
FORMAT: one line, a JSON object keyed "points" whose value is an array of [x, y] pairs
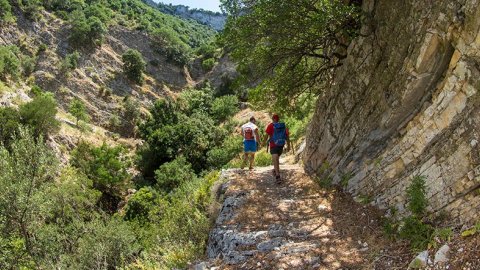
{"points": [[288, 48]]}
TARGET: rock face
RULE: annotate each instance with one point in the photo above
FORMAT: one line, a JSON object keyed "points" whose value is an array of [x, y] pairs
{"points": [[215, 20], [406, 103]]}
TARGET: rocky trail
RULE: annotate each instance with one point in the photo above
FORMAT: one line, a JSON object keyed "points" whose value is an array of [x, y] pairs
{"points": [[296, 225]]}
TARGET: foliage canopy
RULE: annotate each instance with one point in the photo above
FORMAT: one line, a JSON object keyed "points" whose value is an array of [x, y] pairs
{"points": [[290, 48]]}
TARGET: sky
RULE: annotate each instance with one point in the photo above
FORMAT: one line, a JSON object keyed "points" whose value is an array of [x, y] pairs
{"points": [[212, 5]]}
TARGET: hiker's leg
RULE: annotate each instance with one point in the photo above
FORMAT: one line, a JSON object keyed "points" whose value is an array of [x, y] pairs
{"points": [[252, 160], [244, 160], [276, 163]]}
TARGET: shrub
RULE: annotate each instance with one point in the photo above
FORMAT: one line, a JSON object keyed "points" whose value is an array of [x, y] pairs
{"points": [[416, 195], [78, 110], [9, 124], [106, 166], [5, 12], [173, 174], [9, 62], [144, 203], [196, 101], [263, 159], [131, 115], [134, 65], [206, 50], [109, 244], [224, 107], [24, 168], [86, 31], [418, 233], [169, 44], [208, 64], [70, 62], [42, 48], [28, 65], [39, 114], [221, 156]]}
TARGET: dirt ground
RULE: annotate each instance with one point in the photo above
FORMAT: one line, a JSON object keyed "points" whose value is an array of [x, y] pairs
{"points": [[320, 228]]}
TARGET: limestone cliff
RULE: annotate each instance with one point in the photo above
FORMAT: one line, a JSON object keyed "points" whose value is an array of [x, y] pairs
{"points": [[406, 103]]}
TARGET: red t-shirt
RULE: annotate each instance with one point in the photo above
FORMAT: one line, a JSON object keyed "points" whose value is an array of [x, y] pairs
{"points": [[269, 131]]}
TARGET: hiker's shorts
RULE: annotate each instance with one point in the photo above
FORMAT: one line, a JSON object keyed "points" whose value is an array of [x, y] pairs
{"points": [[276, 150], [249, 146]]}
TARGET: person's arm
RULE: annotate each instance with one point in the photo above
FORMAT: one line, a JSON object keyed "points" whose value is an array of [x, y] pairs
{"points": [[257, 135], [289, 144]]}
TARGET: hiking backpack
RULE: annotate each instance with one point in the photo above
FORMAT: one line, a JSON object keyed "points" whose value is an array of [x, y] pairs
{"points": [[279, 134], [248, 134]]}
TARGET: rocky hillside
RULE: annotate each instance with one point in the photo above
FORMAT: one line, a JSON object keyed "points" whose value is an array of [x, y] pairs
{"points": [[216, 20], [97, 78], [406, 103]]}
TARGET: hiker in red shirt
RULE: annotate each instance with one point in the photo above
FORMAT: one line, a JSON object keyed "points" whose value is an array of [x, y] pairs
{"points": [[278, 137]]}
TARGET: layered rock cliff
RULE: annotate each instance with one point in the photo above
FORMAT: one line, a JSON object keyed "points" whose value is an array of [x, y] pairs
{"points": [[406, 103]]}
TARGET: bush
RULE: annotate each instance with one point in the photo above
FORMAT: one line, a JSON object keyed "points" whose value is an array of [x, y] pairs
{"points": [[206, 50], [24, 168], [9, 62], [109, 244], [28, 65], [70, 62], [418, 233], [208, 64], [173, 174], [416, 195], [169, 44], [134, 65], [5, 12], [86, 31], [221, 156], [196, 101], [39, 114], [107, 167], [42, 48], [142, 205], [9, 124], [131, 115], [78, 110], [224, 107]]}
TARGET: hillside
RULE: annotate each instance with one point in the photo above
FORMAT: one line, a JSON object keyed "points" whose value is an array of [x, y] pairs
{"points": [[216, 20], [98, 79], [97, 104]]}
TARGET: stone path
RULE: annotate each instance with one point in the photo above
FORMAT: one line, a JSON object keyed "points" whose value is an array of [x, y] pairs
{"points": [[294, 225]]}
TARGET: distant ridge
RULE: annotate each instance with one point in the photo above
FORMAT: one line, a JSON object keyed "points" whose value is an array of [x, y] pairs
{"points": [[216, 20]]}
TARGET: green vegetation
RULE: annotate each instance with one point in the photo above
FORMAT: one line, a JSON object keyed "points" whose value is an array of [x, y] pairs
{"points": [[49, 220], [107, 167], [9, 62], [198, 134], [9, 124], [292, 48], [134, 65], [208, 64], [173, 174], [224, 107], [413, 228], [472, 231], [70, 62], [86, 31], [78, 110], [5, 12], [39, 114], [417, 201]]}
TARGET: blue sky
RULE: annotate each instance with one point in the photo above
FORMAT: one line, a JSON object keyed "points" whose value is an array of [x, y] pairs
{"points": [[212, 5]]}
